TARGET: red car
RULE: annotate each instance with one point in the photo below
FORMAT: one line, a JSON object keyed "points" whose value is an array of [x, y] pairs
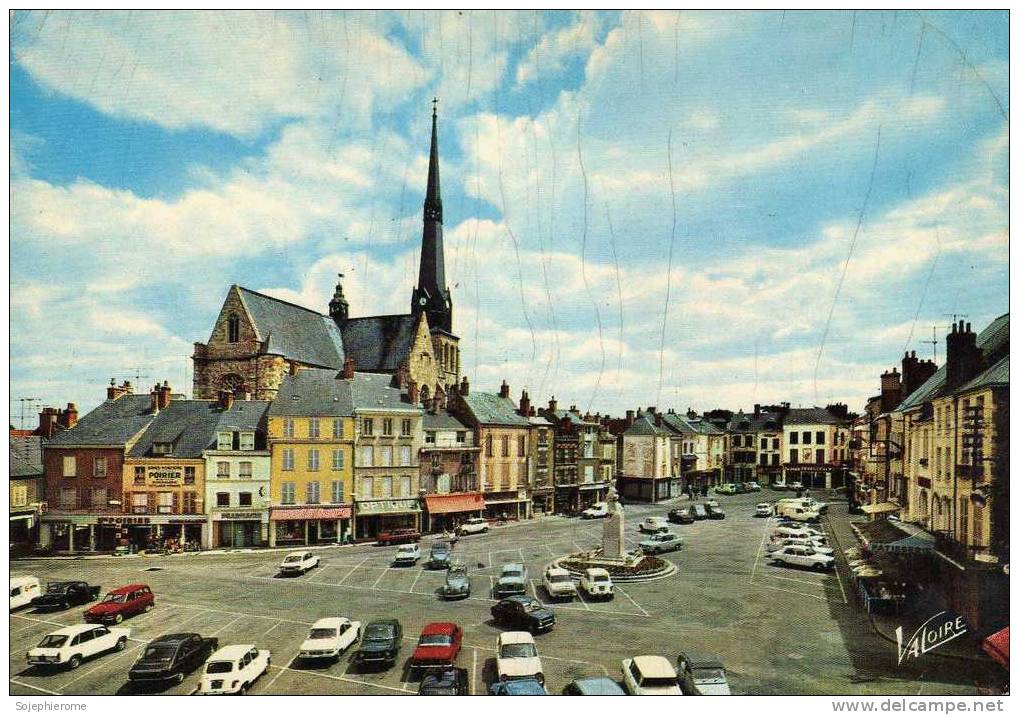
{"points": [[398, 536], [438, 646], [121, 603]]}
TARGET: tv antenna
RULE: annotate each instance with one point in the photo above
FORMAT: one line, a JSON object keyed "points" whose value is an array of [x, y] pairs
{"points": [[955, 316], [26, 401]]}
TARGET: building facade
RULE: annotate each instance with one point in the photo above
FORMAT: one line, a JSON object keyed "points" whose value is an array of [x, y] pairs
{"points": [[815, 443], [647, 472], [450, 488]]}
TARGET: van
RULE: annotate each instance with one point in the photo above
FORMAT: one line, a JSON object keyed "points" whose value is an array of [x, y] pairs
{"points": [[795, 512], [23, 590], [806, 503]]}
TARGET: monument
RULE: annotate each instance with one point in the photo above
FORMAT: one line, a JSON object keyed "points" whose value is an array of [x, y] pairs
{"points": [[612, 544]]}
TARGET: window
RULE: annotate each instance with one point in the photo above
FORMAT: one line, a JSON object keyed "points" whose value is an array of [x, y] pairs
{"points": [[774, 460], [139, 476], [244, 470], [435, 460], [190, 503], [794, 455], [313, 428], [139, 503], [387, 427], [774, 443], [244, 499], [337, 460], [313, 493], [522, 448], [164, 502], [224, 441], [162, 448], [247, 441], [442, 484], [505, 446], [737, 440], [405, 486], [764, 459], [337, 429], [288, 459], [99, 497], [367, 427], [19, 495], [819, 437], [367, 487], [386, 456], [488, 445], [70, 467], [287, 493], [367, 456], [461, 437], [99, 466], [405, 428], [337, 492], [794, 438], [820, 456], [806, 438], [405, 455], [233, 328], [223, 469], [387, 487], [222, 498], [189, 475], [288, 426], [430, 437], [312, 460]]}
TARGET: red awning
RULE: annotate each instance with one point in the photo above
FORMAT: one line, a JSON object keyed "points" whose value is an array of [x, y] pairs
{"points": [[454, 503], [312, 513], [996, 646]]}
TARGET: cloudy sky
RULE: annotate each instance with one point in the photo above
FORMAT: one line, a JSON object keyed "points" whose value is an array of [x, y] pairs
{"points": [[681, 209]]}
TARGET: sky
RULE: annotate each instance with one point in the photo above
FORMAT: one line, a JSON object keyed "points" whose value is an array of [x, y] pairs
{"points": [[679, 209]]}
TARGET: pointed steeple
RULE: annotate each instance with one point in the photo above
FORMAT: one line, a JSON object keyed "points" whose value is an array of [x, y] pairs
{"points": [[431, 295]]}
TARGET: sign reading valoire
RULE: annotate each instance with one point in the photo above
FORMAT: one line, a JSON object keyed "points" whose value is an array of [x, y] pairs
{"points": [[164, 476]]}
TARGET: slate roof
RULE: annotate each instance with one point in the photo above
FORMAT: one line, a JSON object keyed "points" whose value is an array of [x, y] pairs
{"points": [[313, 393], [379, 343], [26, 457], [243, 416], [189, 425], [997, 374], [490, 409], [112, 422], [375, 392], [992, 340], [644, 425], [295, 332], [442, 419], [811, 416], [573, 416], [688, 425]]}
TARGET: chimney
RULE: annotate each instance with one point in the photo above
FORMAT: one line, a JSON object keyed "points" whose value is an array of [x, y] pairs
{"points": [[348, 369], [525, 404], [47, 422], [553, 405], [652, 410], [658, 417], [69, 417], [154, 394], [465, 387], [757, 410], [504, 390], [165, 393], [891, 390], [226, 400], [413, 394], [113, 392], [964, 359], [629, 418]]}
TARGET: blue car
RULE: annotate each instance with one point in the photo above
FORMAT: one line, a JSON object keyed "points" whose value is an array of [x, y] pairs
{"points": [[593, 686], [524, 686]]}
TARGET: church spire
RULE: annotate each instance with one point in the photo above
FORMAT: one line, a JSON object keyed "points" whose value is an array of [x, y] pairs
{"points": [[431, 295]]}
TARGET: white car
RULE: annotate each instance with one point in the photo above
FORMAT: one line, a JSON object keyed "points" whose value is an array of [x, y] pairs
{"points": [[654, 525], [596, 583], [558, 583], [763, 509], [798, 531], [233, 669], [474, 525], [776, 544], [23, 590], [797, 513], [650, 675], [802, 556], [599, 510], [298, 562], [793, 486], [516, 657], [407, 555], [329, 637], [70, 646]]}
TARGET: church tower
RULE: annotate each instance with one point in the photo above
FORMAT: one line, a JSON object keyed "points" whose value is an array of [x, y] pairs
{"points": [[431, 296]]}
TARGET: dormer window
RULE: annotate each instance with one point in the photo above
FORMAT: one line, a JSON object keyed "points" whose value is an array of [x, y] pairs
{"points": [[162, 448], [233, 328], [247, 441], [225, 441]]}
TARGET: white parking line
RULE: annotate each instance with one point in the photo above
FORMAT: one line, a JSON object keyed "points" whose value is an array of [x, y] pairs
{"points": [[797, 580], [760, 549], [225, 626], [103, 664], [474, 673], [580, 595], [318, 674], [273, 627], [318, 572], [34, 687], [630, 599], [420, 571], [381, 576], [366, 558]]}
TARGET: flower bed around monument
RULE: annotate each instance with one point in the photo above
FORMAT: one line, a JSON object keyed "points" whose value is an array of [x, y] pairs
{"points": [[648, 566]]}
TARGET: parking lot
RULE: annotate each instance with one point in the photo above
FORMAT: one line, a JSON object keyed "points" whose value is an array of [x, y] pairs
{"points": [[778, 630]]}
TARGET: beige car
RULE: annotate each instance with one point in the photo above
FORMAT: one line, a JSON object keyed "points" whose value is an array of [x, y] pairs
{"points": [[650, 675]]}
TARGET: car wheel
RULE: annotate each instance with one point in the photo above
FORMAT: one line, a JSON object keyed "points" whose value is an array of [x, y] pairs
{"points": [[119, 618], [74, 662], [64, 606], [485, 530], [121, 644], [179, 678], [148, 607], [243, 690]]}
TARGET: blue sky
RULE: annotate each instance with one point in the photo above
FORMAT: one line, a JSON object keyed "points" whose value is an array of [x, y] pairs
{"points": [[159, 157]]}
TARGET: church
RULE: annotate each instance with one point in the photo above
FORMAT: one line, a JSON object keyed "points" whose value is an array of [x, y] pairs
{"points": [[258, 339]]}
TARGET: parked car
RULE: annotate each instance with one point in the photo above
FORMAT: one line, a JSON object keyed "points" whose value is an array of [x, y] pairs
{"points": [[596, 583], [523, 613], [741, 487], [298, 562], [171, 657], [599, 510], [781, 542], [661, 543], [714, 512], [798, 530], [329, 637], [699, 512], [653, 525], [439, 555], [64, 594], [725, 489], [24, 589], [779, 486], [701, 674], [806, 503], [458, 583], [594, 685], [121, 603], [805, 556], [711, 503], [380, 643], [474, 525], [233, 669], [559, 584], [450, 681], [680, 516], [516, 656], [69, 646], [438, 646], [791, 512], [650, 675], [512, 580], [763, 509], [793, 486], [397, 536], [522, 686], [753, 487], [407, 555]]}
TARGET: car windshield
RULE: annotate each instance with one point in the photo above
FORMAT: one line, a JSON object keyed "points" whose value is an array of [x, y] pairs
{"points": [[708, 675], [436, 639], [600, 578], [115, 598], [440, 547], [531, 606], [159, 652], [658, 682], [378, 633], [57, 588], [559, 578], [294, 557], [219, 666], [406, 549], [53, 641], [317, 633], [512, 573], [518, 650]]}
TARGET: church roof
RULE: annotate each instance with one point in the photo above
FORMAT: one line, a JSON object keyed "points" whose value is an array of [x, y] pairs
{"points": [[295, 332], [379, 343]]}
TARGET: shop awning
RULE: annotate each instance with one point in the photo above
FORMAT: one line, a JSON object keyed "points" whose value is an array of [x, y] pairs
{"points": [[309, 513], [895, 537], [883, 508], [996, 646], [454, 503]]}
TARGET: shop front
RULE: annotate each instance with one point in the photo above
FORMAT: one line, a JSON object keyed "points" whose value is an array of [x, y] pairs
{"points": [[567, 498], [444, 512], [592, 494], [815, 476], [507, 505], [24, 527], [543, 500], [233, 528], [306, 525], [179, 532], [376, 515], [77, 532]]}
